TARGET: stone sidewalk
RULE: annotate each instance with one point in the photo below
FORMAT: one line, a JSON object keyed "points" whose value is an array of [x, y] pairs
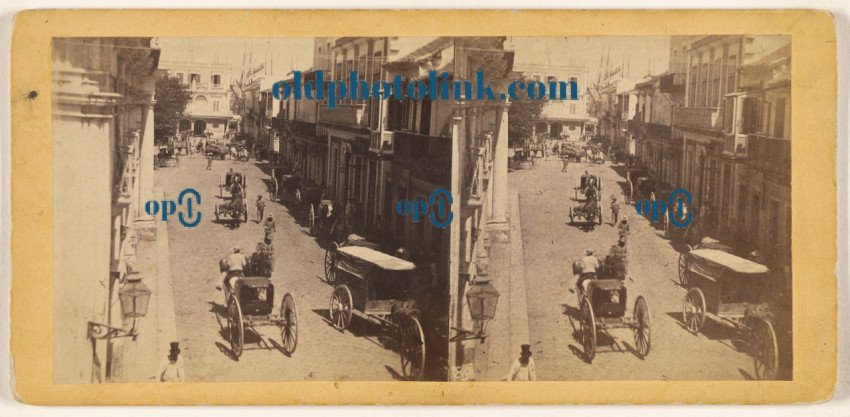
{"points": [[143, 357], [509, 329]]}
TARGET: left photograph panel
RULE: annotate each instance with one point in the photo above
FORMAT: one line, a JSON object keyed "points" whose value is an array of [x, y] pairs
{"points": [[235, 230]]}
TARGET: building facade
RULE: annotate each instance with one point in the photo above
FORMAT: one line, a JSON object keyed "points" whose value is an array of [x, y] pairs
{"points": [[209, 111], [103, 96], [560, 119], [714, 124]]}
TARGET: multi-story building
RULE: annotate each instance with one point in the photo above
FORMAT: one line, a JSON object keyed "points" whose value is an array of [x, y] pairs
{"points": [[103, 114], [764, 178], [655, 147], [209, 111], [565, 119], [713, 127]]}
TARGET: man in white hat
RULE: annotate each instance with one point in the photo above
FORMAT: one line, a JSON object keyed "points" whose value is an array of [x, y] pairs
{"points": [[231, 266], [269, 228], [589, 266]]}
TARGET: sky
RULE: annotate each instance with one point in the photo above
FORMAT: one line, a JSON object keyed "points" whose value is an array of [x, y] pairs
{"points": [[285, 54], [642, 53]]}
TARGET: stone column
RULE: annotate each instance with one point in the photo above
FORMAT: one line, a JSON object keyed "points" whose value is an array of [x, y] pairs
{"points": [[146, 154], [455, 302], [499, 219]]}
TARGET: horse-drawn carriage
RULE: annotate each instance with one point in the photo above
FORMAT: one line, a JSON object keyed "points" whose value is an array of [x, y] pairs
{"points": [[730, 290], [235, 207], [642, 185], [570, 152], [231, 182], [522, 159], [381, 289], [590, 210], [167, 155], [250, 303], [603, 307]]}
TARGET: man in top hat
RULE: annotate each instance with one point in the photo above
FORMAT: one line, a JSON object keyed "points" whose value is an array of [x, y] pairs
{"points": [[172, 371], [523, 369]]}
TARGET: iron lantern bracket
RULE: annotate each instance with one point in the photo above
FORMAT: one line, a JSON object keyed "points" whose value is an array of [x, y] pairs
{"points": [[101, 331], [464, 334]]}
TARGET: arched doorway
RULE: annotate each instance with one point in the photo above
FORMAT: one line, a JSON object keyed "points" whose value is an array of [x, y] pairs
{"points": [[200, 127], [556, 129], [541, 128]]}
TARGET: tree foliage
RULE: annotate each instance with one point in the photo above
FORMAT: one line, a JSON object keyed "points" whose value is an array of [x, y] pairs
{"points": [[523, 113], [172, 97]]}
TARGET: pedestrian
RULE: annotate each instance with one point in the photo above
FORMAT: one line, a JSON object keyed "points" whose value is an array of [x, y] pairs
{"points": [[210, 158], [616, 262], [172, 370], [523, 369], [615, 210], [232, 153], [566, 162], [623, 230], [269, 227], [261, 206]]}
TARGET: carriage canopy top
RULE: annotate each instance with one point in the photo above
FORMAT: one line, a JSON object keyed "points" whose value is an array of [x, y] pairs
{"points": [[715, 259], [358, 259]]}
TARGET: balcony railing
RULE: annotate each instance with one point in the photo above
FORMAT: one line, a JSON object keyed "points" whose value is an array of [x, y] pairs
{"points": [[302, 128], [703, 118], [771, 153], [671, 83], [434, 154], [735, 145], [351, 115], [199, 86]]}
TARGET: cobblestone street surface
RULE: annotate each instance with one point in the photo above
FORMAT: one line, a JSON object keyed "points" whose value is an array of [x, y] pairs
{"points": [[550, 247], [359, 353]]}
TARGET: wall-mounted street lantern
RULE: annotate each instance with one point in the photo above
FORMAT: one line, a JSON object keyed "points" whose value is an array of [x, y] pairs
{"points": [[134, 297], [482, 299]]}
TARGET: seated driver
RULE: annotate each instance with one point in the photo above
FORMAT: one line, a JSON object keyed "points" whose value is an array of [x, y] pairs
{"points": [[235, 264], [589, 265], [590, 202]]}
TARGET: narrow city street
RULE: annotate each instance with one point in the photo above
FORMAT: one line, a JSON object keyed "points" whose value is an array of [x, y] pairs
{"points": [[550, 247], [323, 353]]}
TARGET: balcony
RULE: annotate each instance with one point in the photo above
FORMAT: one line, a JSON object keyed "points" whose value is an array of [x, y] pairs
{"points": [[432, 154], [770, 153], [381, 141], [350, 115], [672, 83], [199, 86], [300, 128], [702, 118], [735, 145]]}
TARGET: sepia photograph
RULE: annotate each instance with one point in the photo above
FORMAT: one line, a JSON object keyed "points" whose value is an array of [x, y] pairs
{"points": [[421, 208]]}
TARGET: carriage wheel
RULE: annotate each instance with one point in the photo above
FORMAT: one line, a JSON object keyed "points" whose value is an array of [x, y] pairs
{"points": [[312, 220], [575, 191], [641, 320], [693, 311], [289, 329], [216, 212], [683, 269], [412, 349], [765, 350], [588, 330], [245, 212], [235, 326], [330, 273], [599, 215], [341, 306]]}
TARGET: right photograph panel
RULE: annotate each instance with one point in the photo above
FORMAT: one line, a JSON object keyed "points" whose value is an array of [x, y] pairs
{"points": [[639, 229]]}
